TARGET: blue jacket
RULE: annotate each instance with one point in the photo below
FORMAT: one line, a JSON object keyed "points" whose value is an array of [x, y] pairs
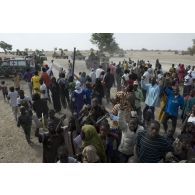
{"points": [[173, 103]]}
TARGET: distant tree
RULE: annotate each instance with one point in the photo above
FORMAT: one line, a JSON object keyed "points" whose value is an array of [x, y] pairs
{"points": [[5, 46], [105, 42], [176, 52], [91, 50], [191, 50], [26, 50], [144, 49]]}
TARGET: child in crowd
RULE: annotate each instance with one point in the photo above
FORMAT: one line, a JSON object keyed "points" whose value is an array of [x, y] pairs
{"points": [[12, 97], [3, 87], [25, 121]]}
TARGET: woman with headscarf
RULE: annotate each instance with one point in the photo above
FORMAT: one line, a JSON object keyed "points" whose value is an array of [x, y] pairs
{"points": [[78, 98], [91, 140], [55, 90]]}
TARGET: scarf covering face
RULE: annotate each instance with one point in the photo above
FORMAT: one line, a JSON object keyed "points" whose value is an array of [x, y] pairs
{"points": [[92, 138]]}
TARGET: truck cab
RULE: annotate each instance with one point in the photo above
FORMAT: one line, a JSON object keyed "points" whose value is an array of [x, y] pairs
{"points": [[9, 66]]}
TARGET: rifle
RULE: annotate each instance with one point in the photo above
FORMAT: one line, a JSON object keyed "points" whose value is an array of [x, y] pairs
{"points": [[74, 54], [61, 120]]}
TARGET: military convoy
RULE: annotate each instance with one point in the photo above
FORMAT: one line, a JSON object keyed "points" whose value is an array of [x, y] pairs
{"points": [[59, 56], [78, 56], [95, 60]]}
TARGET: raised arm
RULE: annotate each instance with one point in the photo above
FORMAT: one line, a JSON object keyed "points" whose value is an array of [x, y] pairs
{"points": [[144, 85], [122, 123]]}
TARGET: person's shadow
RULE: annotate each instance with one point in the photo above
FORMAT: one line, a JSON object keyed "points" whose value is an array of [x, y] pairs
{"points": [[37, 148]]}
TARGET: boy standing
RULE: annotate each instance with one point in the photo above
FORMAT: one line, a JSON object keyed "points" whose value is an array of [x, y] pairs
{"points": [[12, 96], [3, 87], [25, 121]]}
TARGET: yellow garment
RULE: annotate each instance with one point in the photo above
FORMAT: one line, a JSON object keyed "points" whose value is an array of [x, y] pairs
{"points": [[36, 82], [91, 137], [162, 106], [17, 81], [125, 66]]}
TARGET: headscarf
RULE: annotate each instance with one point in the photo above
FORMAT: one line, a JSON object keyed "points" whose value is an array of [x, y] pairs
{"points": [[92, 138], [78, 88], [90, 154]]}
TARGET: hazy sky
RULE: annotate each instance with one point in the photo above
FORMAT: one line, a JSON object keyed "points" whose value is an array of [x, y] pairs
{"points": [[81, 41]]}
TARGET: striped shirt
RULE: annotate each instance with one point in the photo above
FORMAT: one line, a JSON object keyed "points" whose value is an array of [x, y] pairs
{"points": [[151, 150]]}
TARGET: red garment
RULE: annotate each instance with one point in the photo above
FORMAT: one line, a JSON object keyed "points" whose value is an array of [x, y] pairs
{"points": [[130, 82], [46, 79], [181, 72], [112, 69]]}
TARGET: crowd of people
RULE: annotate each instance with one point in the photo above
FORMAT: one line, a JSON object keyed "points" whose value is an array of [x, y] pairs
{"points": [[146, 98]]}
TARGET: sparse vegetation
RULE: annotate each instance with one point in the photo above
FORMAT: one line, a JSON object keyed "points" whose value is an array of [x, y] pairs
{"points": [[5, 46]]}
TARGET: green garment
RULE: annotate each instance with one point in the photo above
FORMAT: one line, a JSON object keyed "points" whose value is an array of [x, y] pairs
{"points": [[71, 86], [189, 105], [91, 137], [139, 98]]}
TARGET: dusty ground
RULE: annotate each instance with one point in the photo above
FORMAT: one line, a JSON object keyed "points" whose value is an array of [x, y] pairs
{"points": [[13, 147]]}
